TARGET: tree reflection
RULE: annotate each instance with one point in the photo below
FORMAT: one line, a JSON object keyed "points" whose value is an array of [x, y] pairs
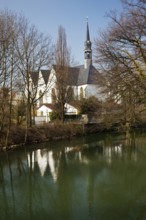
{"points": [[3, 192], [1, 173]]}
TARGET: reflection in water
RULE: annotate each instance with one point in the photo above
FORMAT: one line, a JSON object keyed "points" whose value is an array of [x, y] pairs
{"points": [[41, 159], [31, 160], [110, 151], [47, 158], [94, 179], [44, 159], [54, 165]]}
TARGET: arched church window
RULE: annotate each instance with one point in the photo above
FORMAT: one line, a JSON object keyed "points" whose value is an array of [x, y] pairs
{"points": [[81, 93], [53, 96], [40, 97]]}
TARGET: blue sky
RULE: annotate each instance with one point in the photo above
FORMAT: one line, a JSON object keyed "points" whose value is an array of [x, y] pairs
{"points": [[47, 15]]}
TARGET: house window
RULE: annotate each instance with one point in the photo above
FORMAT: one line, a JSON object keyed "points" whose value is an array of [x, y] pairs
{"points": [[81, 93], [42, 113]]}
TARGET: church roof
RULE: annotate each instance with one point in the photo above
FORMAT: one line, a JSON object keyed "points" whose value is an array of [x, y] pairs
{"points": [[77, 76], [73, 73], [87, 33], [45, 74], [94, 77], [73, 76], [34, 76], [81, 76]]}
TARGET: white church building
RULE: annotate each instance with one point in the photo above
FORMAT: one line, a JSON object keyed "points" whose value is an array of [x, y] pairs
{"points": [[84, 83]]}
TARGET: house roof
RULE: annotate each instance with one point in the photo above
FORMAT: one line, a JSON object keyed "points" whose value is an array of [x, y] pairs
{"points": [[47, 105], [51, 106]]}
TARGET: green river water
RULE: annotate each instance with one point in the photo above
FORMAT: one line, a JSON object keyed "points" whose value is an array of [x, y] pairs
{"points": [[101, 177]]}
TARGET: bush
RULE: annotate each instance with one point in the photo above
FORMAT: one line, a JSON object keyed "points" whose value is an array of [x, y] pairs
{"points": [[54, 116], [89, 105]]}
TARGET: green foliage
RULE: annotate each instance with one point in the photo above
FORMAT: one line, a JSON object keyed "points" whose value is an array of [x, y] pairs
{"points": [[89, 105], [54, 116]]}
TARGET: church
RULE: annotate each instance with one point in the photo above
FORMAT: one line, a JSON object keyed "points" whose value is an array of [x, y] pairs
{"points": [[84, 82]]}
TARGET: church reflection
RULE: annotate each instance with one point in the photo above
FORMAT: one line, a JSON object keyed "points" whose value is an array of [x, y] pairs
{"points": [[50, 160], [44, 159]]}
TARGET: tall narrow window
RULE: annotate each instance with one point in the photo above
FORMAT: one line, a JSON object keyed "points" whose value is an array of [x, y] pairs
{"points": [[53, 95], [81, 93], [40, 97]]}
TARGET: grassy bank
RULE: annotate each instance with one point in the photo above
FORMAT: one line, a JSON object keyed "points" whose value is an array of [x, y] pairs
{"points": [[38, 134], [50, 132]]}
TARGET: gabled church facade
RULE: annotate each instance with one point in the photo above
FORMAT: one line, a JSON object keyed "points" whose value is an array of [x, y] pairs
{"points": [[84, 80]]}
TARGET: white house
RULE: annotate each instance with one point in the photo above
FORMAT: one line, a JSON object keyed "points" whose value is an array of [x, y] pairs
{"points": [[84, 81], [43, 112]]}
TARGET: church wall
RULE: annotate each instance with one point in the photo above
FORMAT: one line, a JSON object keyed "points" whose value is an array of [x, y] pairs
{"points": [[46, 89]]}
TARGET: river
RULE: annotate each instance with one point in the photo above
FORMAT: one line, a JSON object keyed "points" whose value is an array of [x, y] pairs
{"points": [[101, 177]]}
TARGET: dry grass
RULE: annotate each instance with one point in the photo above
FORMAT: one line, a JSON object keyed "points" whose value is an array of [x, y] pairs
{"points": [[38, 134]]}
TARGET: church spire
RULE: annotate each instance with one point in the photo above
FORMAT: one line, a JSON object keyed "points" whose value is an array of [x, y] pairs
{"points": [[87, 32], [87, 50]]}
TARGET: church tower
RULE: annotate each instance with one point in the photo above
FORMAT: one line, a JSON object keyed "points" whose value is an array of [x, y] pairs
{"points": [[87, 50]]}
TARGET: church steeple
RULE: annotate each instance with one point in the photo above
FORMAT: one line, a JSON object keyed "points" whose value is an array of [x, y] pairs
{"points": [[87, 50]]}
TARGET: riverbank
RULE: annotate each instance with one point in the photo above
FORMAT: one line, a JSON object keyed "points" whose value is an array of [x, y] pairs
{"points": [[49, 132], [36, 134]]}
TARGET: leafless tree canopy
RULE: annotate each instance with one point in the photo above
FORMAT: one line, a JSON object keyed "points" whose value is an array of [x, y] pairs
{"points": [[62, 60], [34, 51], [121, 52], [22, 49], [62, 53]]}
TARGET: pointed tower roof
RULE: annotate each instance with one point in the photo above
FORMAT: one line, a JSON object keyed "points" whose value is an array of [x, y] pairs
{"points": [[88, 49], [87, 32]]}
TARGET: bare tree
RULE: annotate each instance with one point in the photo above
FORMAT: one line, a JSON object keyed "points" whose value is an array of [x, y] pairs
{"points": [[62, 59], [121, 52], [34, 51], [23, 49], [8, 60]]}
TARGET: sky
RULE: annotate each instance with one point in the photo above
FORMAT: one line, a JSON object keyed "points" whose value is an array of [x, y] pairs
{"points": [[47, 15]]}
